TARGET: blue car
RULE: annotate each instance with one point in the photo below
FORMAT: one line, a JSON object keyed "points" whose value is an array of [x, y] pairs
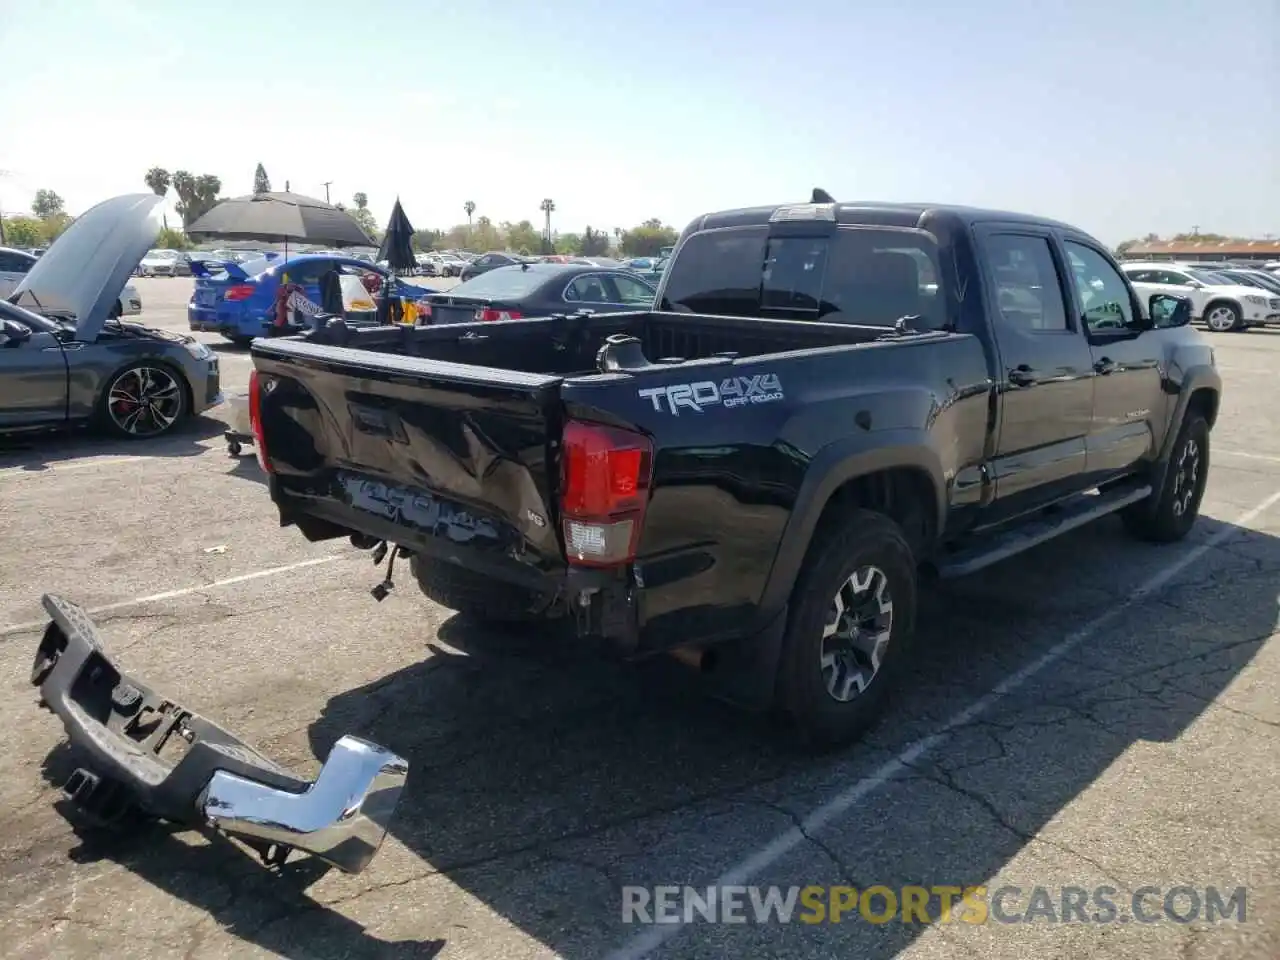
{"points": [[238, 300]]}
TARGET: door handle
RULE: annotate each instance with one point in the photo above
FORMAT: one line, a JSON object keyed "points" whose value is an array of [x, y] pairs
{"points": [[1105, 366], [1022, 376]]}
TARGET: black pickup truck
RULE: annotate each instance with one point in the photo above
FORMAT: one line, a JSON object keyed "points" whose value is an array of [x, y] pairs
{"points": [[828, 402], [828, 398]]}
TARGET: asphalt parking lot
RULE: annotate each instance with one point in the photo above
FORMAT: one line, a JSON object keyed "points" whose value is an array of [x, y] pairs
{"points": [[1097, 712]]}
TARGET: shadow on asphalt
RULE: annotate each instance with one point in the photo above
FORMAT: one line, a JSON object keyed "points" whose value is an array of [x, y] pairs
{"points": [[260, 906], [522, 744], [226, 346], [36, 452]]}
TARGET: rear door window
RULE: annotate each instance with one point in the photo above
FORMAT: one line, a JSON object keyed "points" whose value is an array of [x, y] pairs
{"points": [[588, 288], [629, 290], [860, 275]]}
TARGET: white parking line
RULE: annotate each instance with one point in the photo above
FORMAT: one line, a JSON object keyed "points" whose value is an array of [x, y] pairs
{"points": [[39, 469], [184, 591], [1249, 456], [785, 842]]}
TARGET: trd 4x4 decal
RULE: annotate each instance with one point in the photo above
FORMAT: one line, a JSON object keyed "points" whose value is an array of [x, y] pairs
{"points": [[733, 392]]}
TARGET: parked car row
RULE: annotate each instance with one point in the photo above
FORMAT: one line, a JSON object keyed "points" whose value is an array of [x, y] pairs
{"points": [[1223, 298], [176, 263], [238, 300]]}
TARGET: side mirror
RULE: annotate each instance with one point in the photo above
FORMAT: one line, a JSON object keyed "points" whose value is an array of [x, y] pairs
{"points": [[13, 333], [1195, 284], [1167, 311]]}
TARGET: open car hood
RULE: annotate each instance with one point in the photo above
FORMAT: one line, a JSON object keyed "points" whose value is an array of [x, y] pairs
{"points": [[85, 269]]}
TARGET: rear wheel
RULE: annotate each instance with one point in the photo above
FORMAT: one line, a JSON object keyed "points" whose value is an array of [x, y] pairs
{"points": [[143, 401], [476, 595], [852, 616]]}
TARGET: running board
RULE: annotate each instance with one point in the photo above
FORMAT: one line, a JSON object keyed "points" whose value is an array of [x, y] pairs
{"points": [[1065, 516]]}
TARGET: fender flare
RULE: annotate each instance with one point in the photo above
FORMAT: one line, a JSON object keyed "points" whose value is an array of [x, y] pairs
{"points": [[1201, 376], [832, 467]]}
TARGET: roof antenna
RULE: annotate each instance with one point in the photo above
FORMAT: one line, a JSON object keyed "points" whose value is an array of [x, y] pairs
{"points": [[821, 196]]}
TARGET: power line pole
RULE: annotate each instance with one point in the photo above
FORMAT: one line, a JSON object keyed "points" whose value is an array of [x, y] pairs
{"points": [[327, 184]]}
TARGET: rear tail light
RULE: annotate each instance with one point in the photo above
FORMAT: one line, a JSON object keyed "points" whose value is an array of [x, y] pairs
{"points": [[255, 419], [488, 314], [241, 291], [606, 475]]}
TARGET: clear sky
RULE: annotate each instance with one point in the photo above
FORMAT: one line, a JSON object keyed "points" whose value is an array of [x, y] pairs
{"points": [[1121, 116]]}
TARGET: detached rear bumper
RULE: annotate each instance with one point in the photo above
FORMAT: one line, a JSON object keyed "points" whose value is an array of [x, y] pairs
{"points": [[120, 727]]}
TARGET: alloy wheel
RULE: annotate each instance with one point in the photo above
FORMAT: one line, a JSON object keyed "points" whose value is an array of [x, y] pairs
{"points": [[1221, 319], [145, 401], [857, 631], [1186, 477]]}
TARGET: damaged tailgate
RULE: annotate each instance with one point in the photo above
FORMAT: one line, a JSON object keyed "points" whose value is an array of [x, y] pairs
{"points": [[442, 458], [141, 753]]}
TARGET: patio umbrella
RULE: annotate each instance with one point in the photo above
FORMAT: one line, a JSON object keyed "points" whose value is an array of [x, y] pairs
{"points": [[397, 242], [276, 217]]}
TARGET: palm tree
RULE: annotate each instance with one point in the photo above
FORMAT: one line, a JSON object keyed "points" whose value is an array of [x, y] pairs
{"points": [[158, 180], [470, 207], [547, 207]]}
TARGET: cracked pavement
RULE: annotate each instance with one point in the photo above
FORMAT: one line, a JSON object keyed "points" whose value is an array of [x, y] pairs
{"points": [[544, 779]]}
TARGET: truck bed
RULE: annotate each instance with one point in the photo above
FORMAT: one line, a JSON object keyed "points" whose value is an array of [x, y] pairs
{"points": [[568, 346], [448, 440]]}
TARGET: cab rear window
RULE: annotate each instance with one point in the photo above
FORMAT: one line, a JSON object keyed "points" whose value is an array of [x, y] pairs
{"points": [[858, 275]]}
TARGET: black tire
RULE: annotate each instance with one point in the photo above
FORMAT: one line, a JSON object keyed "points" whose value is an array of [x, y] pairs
{"points": [[175, 406], [238, 339], [1221, 309], [1170, 512], [476, 595], [857, 542]]}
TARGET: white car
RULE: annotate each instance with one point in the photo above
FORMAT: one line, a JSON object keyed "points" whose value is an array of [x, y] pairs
{"points": [[163, 263], [15, 264], [1219, 301]]}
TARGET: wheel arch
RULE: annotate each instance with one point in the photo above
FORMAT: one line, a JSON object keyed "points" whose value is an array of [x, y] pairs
{"points": [[897, 473]]}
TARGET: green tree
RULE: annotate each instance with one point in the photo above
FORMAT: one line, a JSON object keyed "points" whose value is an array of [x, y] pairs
{"points": [[485, 236], [595, 243], [197, 195], [568, 244], [261, 182], [647, 239], [46, 204], [1204, 238], [523, 235], [158, 180], [24, 232], [363, 215], [173, 240], [425, 241]]}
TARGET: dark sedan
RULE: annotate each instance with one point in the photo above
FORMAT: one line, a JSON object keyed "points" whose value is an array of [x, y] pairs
{"points": [[539, 290], [65, 357], [492, 261]]}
